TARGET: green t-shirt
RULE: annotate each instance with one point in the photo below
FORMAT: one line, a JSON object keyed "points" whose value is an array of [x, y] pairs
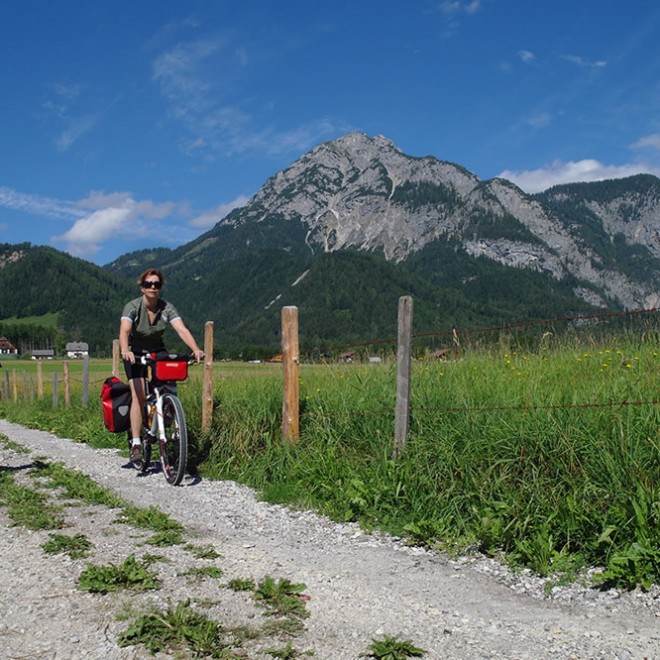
{"points": [[146, 336]]}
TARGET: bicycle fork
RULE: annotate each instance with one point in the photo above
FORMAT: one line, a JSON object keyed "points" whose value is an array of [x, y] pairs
{"points": [[156, 420]]}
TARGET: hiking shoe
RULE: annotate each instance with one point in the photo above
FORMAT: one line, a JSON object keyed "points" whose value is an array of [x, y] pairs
{"points": [[136, 455]]}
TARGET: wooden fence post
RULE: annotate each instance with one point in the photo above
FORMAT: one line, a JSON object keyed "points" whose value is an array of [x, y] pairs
{"points": [[207, 384], [67, 384], [291, 367], [403, 363], [55, 392], [115, 357], [14, 386], [40, 381], [85, 383]]}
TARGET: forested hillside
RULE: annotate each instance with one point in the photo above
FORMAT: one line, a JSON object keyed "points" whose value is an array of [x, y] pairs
{"points": [[87, 300]]}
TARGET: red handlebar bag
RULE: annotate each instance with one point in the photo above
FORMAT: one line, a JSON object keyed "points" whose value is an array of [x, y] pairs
{"points": [[171, 369]]}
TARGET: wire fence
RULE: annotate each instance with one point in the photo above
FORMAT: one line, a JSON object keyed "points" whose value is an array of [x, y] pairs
{"points": [[583, 323], [13, 387]]}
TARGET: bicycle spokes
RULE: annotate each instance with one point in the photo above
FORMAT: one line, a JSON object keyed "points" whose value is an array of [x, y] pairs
{"points": [[174, 448]]}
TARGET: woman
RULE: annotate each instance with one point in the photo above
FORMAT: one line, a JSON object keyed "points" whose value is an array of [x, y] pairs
{"points": [[143, 323]]}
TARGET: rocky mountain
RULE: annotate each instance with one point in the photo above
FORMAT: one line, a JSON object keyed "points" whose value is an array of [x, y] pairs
{"points": [[355, 223], [472, 251], [364, 193]]}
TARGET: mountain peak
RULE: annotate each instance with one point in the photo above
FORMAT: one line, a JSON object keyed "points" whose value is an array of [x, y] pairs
{"points": [[357, 139], [364, 193]]}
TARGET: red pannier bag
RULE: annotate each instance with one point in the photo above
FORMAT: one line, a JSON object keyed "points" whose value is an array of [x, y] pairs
{"points": [[116, 405], [171, 369]]}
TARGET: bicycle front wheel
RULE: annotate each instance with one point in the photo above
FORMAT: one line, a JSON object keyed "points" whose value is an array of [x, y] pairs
{"points": [[174, 450]]}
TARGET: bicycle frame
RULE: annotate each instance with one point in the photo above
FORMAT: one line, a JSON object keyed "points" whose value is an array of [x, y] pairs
{"points": [[153, 409]]}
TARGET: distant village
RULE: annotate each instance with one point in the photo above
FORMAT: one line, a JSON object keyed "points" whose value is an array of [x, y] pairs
{"points": [[73, 350]]}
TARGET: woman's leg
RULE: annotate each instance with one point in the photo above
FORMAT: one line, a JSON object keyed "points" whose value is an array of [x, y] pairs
{"points": [[137, 406]]}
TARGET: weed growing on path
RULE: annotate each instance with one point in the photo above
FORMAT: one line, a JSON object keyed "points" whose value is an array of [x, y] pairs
{"points": [[27, 507], [130, 574], [176, 629], [393, 648], [76, 546]]}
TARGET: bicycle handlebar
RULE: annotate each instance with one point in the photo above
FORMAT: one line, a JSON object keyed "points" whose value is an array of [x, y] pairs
{"points": [[146, 358]]}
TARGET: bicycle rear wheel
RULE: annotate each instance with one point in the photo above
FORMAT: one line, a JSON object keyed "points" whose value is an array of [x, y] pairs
{"points": [[174, 450]]}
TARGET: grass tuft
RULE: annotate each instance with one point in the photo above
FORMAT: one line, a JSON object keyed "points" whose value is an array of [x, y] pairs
{"points": [[177, 630], [130, 574], [76, 546]]}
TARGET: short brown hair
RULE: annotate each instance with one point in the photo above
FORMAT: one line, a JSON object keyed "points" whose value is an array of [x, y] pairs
{"points": [[147, 273]]}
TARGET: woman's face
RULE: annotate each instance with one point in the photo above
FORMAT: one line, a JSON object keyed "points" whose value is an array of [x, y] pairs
{"points": [[151, 286]]}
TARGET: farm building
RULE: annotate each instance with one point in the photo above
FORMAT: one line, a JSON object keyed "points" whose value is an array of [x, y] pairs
{"points": [[77, 349], [43, 354], [7, 348]]}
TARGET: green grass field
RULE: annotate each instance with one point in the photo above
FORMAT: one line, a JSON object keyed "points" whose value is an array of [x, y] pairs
{"points": [[548, 457]]}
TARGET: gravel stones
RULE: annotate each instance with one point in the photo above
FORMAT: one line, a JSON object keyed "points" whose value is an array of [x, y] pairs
{"points": [[361, 586]]}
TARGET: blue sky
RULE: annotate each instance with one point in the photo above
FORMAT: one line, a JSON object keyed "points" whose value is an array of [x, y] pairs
{"points": [[135, 124]]}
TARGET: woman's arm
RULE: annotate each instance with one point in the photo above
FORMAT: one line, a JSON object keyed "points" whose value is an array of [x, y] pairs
{"points": [[187, 338], [125, 326]]}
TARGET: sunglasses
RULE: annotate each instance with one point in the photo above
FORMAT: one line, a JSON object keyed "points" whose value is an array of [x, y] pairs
{"points": [[151, 285]]}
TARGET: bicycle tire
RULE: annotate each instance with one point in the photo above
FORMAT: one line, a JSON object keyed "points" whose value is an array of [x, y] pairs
{"points": [[174, 450]]}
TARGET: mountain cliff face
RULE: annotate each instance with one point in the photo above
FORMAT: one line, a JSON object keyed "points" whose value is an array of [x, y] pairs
{"points": [[361, 192]]}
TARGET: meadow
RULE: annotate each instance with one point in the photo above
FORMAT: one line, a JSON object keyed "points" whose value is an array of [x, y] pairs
{"points": [[546, 456]]}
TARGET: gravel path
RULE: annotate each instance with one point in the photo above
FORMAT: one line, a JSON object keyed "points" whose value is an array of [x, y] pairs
{"points": [[360, 586]]}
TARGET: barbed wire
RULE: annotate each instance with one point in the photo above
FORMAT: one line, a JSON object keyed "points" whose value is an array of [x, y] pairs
{"points": [[472, 409], [454, 332], [527, 324], [549, 406]]}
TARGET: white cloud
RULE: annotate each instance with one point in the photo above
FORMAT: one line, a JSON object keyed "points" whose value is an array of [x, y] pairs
{"points": [[457, 6], [85, 236], [212, 216], [558, 172], [43, 206], [109, 217], [584, 64], [540, 120], [102, 218], [179, 72], [76, 129], [66, 109], [200, 81], [652, 141], [526, 56]]}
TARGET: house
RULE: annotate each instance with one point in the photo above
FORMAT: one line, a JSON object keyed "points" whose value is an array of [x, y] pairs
{"points": [[7, 348], [77, 349], [43, 354]]}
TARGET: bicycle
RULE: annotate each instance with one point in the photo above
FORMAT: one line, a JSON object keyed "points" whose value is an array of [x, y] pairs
{"points": [[164, 422]]}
